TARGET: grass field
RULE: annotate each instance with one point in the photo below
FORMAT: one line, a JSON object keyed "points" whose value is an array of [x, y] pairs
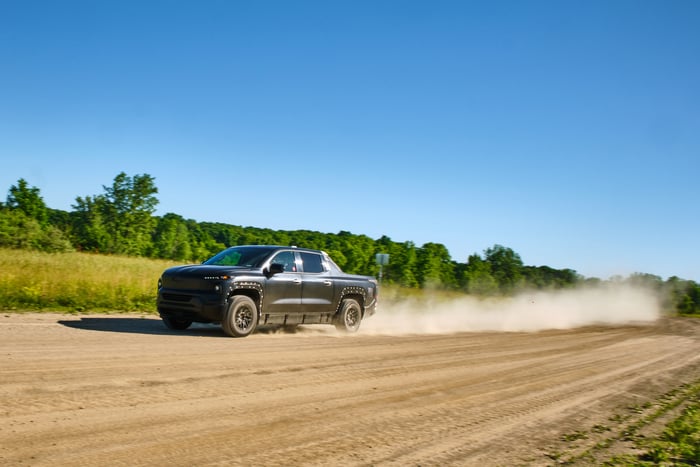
{"points": [[77, 282]]}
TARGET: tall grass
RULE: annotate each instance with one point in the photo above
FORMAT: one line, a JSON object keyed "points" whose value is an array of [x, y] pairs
{"points": [[31, 280]]}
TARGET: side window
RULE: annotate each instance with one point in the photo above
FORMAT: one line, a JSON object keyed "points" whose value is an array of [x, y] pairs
{"points": [[286, 259], [312, 262]]}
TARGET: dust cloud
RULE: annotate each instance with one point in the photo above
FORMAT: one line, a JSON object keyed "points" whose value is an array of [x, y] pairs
{"points": [[536, 311]]}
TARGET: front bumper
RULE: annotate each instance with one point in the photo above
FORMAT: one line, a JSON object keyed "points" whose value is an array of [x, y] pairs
{"points": [[371, 309], [200, 308]]}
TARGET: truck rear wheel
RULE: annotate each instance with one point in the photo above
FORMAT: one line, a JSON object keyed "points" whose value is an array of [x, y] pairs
{"points": [[241, 317], [349, 316]]}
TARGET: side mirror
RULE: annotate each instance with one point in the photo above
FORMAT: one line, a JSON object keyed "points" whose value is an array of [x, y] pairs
{"points": [[275, 268]]}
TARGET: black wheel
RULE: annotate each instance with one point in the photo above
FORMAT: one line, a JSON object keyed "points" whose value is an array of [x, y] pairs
{"points": [[176, 324], [349, 316], [241, 317]]}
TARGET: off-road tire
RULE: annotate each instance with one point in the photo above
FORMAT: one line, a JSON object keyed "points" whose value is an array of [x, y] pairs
{"points": [[349, 317], [241, 317]]}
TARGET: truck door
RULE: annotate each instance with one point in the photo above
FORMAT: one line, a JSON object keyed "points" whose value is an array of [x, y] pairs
{"points": [[283, 290], [317, 287]]}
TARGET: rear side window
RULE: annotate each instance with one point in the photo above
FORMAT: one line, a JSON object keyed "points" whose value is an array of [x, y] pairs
{"points": [[312, 262]]}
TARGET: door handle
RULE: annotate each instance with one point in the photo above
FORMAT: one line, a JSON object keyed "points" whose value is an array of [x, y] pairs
{"points": [[327, 283], [297, 281]]}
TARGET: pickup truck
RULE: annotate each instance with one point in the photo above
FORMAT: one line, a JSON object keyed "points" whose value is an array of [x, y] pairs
{"points": [[243, 287]]}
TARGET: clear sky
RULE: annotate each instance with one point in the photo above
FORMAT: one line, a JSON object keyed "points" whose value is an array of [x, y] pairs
{"points": [[566, 130]]}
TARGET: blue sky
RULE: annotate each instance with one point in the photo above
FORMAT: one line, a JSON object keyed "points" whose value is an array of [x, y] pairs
{"points": [[568, 131]]}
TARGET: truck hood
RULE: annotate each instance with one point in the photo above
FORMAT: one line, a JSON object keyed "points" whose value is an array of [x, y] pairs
{"points": [[205, 270]]}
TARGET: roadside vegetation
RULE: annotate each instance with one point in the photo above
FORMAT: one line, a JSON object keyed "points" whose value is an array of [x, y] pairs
{"points": [[77, 282], [665, 431], [679, 444], [119, 239]]}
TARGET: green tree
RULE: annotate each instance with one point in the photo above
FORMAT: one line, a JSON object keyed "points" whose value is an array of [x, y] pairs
{"points": [[338, 257], [129, 206], [435, 267], [202, 243], [27, 199], [18, 230], [60, 219], [684, 295], [506, 267], [541, 277], [477, 277], [171, 238], [358, 251], [649, 281], [24, 222], [119, 221], [89, 230], [403, 264]]}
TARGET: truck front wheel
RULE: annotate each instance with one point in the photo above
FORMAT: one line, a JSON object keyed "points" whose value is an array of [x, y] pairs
{"points": [[349, 316], [241, 317]]}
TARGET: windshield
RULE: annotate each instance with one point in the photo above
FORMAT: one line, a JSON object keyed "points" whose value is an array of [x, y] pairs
{"points": [[246, 256]]}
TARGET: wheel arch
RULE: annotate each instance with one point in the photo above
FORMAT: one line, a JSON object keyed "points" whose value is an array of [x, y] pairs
{"points": [[253, 290], [355, 293]]}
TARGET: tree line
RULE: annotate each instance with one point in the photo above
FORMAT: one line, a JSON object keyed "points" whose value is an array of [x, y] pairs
{"points": [[121, 221]]}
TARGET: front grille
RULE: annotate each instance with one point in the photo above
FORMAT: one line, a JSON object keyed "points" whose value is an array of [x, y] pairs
{"points": [[186, 284]]}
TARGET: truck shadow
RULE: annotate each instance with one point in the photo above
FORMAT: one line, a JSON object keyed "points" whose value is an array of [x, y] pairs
{"points": [[140, 326], [156, 327]]}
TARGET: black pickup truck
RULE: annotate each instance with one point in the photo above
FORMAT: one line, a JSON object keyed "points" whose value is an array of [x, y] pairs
{"points": [[246, 286]]}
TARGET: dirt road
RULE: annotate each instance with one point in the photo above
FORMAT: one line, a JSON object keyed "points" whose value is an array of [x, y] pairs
{"points": [[123, 390]]}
